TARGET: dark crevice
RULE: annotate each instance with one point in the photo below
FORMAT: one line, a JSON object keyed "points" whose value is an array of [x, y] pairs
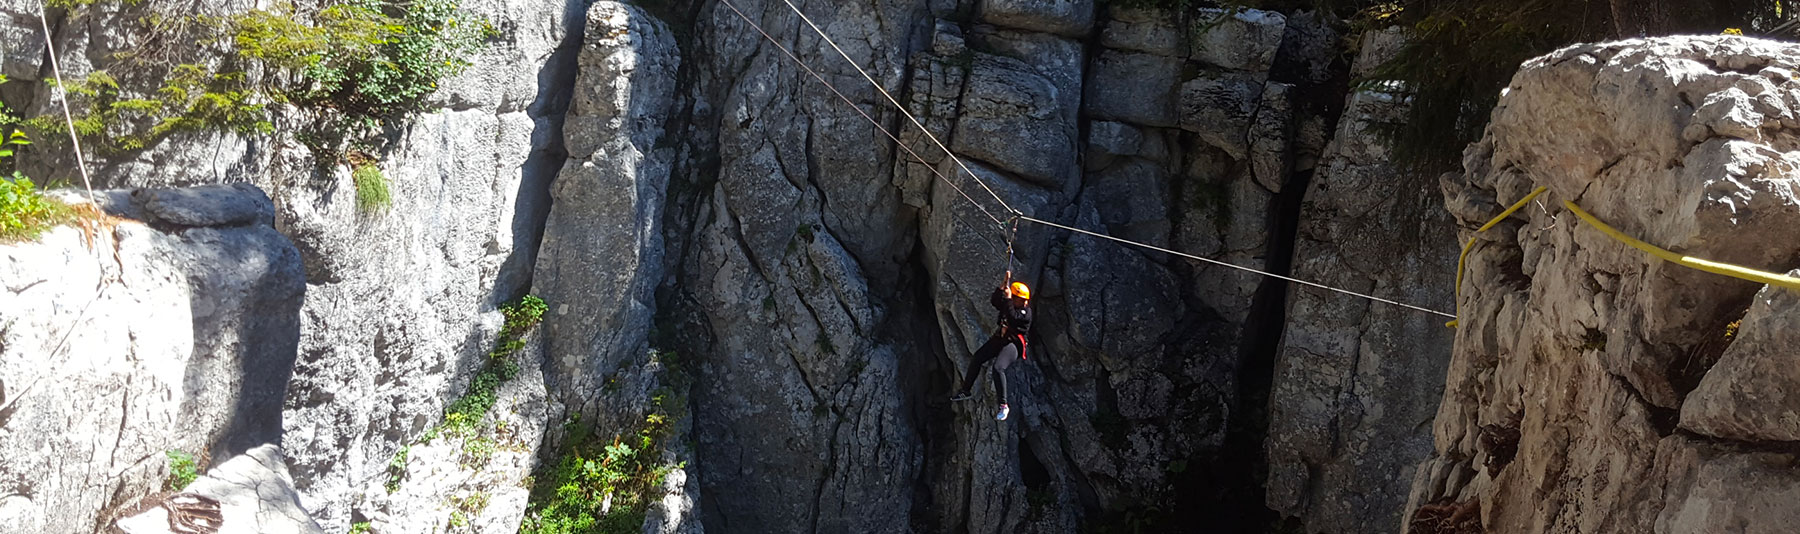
{"points": [[1664, 420], [1501, 441], [1789, 448], [925, 383], [531, 209], [1716, 67], [1685, 372], [1242, 463]]}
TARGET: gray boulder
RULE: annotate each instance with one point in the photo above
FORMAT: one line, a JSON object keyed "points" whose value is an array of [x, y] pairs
{"points": [[602, 254], [1134, 88], [1745, 396], [1013, 118], [251, 493], [1219, 106], [236, 204], [1144, 29], [1353, 378], [120, 342]]}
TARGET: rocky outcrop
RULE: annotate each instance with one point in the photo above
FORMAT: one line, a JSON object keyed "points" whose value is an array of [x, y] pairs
{"points": [[603, 253], [1357, 381], [400, 308], [248, 494], [1587, 386], [168, 324]]}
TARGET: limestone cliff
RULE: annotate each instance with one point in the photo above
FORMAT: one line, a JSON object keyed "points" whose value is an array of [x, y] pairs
{"points": [[698, 210], [400, 305], [1592, 387], [1357, 382], [170, 324]]}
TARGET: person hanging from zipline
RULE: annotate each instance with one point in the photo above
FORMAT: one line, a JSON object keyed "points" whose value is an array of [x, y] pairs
{"points": [[1014, 304]]}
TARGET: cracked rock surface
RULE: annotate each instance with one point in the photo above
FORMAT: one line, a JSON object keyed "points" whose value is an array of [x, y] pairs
{"points": [[1586, 388], [134, 337]]}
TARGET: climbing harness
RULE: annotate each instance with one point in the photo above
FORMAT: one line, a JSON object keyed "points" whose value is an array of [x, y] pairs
{"points": [[1016, 214]]}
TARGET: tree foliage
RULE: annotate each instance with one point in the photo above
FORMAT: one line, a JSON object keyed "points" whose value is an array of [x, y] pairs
{"points": [[342, 68], [1461, 53]]}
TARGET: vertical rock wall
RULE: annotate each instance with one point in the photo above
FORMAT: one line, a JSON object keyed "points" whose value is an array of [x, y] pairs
{"points": [[1357, 382], [1594, 388], [831, 286]]}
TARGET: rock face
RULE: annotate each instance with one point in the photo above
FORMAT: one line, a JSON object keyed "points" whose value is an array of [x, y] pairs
{"points": [[830, 313], [169, 325], [467, 480], [251, 493], [603, 253], [400, 307], [1589, 384], [1357, 381]]}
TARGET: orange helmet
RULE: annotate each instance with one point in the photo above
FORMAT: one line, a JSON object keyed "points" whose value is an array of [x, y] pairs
{"points": [[1019, 290]]}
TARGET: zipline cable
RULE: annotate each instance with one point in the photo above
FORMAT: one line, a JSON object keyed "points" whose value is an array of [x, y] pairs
{"points": [[878, 126], [1017, 215], [1234, 266], [896, 103]]}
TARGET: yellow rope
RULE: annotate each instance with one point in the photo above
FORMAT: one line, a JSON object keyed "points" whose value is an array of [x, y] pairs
{"points": [[1726, 269], [1734, 271], [1461, 258]]}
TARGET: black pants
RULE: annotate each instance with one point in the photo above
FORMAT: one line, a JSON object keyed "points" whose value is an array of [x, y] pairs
{"points": [[1003, 351]]}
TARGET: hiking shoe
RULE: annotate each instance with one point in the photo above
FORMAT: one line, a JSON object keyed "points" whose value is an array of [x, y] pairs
{"points": [[961, 397], [1003, 411]]}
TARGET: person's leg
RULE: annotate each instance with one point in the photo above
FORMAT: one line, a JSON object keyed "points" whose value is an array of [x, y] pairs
{"points": [[1004, 359], [981, 357]]}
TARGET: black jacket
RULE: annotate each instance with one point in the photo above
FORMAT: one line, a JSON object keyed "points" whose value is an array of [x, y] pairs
{"points": [[1014, 320]]}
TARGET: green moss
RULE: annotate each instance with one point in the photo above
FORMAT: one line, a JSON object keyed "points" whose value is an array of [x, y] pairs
{"points": [[462, 419], [570, 489], [360, 528], [25, 212], [396, 469]]}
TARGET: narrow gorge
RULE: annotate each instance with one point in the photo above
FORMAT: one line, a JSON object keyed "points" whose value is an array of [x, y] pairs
{"points": [[659, 267]]}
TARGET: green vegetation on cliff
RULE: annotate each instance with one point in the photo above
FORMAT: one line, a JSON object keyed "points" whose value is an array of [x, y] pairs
{"points": [[330, 75], [603, 482], [24, 210], [465, 417]]}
